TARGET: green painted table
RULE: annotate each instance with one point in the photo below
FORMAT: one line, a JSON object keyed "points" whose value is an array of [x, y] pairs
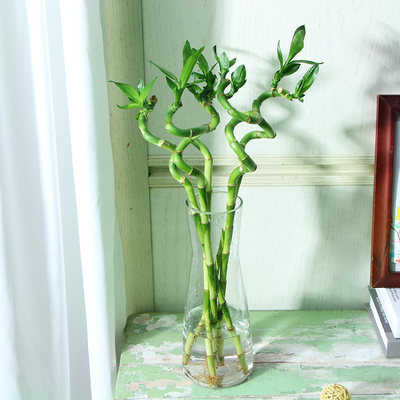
{"points": [[297, 353]]}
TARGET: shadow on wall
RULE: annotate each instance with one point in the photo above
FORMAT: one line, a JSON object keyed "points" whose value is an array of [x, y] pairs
{"points": [[342, 226], [352, 233], [343, 232], [336, 274]]}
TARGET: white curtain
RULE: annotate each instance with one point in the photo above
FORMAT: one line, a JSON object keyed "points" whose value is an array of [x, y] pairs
{"points": [[61, 286]]}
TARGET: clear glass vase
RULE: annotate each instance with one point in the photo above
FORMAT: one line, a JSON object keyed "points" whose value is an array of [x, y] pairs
{"points": [[217, 343]]}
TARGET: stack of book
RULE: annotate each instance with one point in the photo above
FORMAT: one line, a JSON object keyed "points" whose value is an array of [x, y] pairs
{"points": [[384, 309]]}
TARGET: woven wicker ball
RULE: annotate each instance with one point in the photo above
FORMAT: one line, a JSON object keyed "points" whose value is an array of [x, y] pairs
{"points": [[335, 392]]}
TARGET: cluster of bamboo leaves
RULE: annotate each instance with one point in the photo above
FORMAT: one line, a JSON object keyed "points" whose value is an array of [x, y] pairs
{"points": [[192, 57]]}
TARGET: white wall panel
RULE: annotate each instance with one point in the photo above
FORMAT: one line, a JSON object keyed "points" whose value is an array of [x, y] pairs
{"points": [[302, 246], [357, 40]]}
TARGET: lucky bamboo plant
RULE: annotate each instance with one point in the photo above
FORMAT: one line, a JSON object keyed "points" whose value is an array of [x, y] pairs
{"points": [[207, 87]]}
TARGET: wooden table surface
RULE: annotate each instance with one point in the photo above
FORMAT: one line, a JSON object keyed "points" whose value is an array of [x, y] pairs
{"points": [[297, 353]]}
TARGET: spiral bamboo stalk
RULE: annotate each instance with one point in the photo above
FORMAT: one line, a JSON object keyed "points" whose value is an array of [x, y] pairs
{"points": [[190, 132], [208, 168], [204, 196], [237, 174], [215, 308], [148, 136], [209, 316]]}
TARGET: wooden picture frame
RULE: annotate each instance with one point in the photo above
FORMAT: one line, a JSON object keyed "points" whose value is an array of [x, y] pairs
{"points": [[387, 108]]}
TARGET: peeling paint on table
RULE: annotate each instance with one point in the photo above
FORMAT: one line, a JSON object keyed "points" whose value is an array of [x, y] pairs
{"points": [[297, 353]]}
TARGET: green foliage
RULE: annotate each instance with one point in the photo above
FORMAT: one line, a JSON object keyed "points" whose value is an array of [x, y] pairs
{"points": [[204, 84], [290, 69], [224, 62], [128, 90], [190, 58], [297, 42], [291, 66], [186, 52], [279, 52], [203, 64], [138, 98], [165, 72], [145, 91], [305, 83], [238, 79], [188, 68]]}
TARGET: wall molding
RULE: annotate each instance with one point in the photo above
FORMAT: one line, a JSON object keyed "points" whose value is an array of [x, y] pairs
{"points": [[278, 170]]}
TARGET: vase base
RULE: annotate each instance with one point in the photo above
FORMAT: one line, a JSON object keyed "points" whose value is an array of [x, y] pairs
{"points": [[227, 375]]}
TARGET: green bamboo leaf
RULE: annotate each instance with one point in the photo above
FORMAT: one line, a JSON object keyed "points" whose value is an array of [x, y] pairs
{"points": [[188, 67], [186, 52], [299, 86], [239, 76], [140, 86], [129, 91], [309, 78], [307, 62], [290, 69], [130, 105], [214, 81], [198, 75], [215, 56], [197, 81], [165, 72], [211, 79], [297, 42], [146, 90], [171, 83], [279, 51], [203, 64], [224, 61]]}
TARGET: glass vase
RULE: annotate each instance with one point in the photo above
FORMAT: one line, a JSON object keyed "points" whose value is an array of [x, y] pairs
{"points": [[217, 343]]}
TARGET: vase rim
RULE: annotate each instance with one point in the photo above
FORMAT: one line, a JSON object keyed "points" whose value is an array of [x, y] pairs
{"points": [[238, 205]]}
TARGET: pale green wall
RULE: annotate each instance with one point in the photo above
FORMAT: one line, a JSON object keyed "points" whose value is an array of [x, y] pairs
{"points": [[315, 247], [125, 64]]}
